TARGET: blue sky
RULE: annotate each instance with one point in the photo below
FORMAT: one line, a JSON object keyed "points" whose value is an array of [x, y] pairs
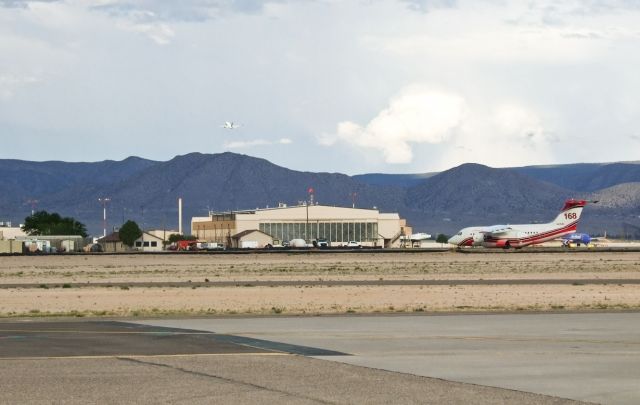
{"points": [[350, 86]]}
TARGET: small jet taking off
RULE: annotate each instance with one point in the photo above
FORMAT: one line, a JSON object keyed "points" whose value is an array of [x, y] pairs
{"points": [[230, 125], [517, 236]]}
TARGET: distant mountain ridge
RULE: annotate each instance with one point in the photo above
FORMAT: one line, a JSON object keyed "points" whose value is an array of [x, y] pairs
{"points": [[471, 194], [581, 177]]}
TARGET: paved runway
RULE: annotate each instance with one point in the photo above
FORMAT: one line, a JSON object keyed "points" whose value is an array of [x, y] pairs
{"points": [[119, 362], [584, 356]]}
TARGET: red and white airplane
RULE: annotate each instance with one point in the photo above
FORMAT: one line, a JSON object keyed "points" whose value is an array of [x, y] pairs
{"points": [[517, 236]]}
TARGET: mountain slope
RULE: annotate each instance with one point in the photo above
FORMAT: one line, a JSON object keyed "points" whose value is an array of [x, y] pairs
{"points": [[225, 181], [23, 180], [401, 180], [581, 177], [619, 197], [471, 194], [475, 189]]}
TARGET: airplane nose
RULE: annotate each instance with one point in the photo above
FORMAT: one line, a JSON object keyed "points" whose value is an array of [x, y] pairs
{"points": [[453, 240]]}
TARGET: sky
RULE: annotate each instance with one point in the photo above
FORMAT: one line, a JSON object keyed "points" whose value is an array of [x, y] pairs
{"points": [[353, 86]]}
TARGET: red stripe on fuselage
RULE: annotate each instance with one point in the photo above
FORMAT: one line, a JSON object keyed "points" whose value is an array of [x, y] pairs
{"points": [[539, 238]]}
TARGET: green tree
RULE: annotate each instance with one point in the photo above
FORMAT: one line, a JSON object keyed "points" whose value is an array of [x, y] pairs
{"points": [[44, 223], [129, 232], [174, 237], [442, 238]]}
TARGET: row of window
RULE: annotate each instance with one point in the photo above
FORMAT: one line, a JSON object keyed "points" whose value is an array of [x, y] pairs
{"points": [[146, 243], [332, 231]]}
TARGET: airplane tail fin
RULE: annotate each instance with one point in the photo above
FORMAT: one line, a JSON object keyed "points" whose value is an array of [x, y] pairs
{"points": [[570, 214]]}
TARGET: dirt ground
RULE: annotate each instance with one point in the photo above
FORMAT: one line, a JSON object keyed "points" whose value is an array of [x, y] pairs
{"points": [[52, 272]]}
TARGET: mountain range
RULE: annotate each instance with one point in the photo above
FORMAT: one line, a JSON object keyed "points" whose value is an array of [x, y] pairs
{"points": [[146, 191]]}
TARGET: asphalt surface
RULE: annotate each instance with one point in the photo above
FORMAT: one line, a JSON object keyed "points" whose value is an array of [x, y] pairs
{"points": [[117, 362], [331, 283], [584, 356], [111, 338]]}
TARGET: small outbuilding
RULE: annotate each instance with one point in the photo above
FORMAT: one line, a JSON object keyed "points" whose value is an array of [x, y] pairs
{"points": [[112, 243], [148, 243], [251, 239]]}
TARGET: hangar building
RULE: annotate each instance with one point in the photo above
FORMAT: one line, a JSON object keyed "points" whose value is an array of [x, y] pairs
{"points": [[338, 225]]}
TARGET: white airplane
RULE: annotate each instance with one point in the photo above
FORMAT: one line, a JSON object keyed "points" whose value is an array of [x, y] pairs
{"points": [[230, 125], [416, 236], [517, 236]]}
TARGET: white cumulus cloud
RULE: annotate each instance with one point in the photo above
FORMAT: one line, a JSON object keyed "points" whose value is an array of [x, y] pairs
{"points": [[500, 134], [417, 115]]}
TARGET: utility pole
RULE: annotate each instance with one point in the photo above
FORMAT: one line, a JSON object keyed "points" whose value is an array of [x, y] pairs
{"points": [[309, 201], [353, 199], [104, 201], [33, 205], [142, 209]]}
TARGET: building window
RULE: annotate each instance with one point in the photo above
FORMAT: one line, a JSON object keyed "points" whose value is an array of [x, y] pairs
{"points": [[138, 243], [154, 244], [336, 232]]}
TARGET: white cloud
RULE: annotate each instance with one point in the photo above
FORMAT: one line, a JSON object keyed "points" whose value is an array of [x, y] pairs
{"points": [[417, 115], [504, 134], [508, 134], [160, 33], [531, 82], [256, 142], [9, 83]]}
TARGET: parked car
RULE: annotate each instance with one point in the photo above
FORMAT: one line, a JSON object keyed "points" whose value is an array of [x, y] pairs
{"points": [[354, 244], [209, 246], [297, 243], [321, 243]]}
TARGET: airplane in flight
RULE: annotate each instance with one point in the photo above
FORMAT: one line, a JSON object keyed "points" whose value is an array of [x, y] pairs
{"points": [[230, 125], [517, 236]]}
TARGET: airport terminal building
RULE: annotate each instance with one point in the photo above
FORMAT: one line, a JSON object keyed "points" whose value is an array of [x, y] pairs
{"points": [[338, 225]]}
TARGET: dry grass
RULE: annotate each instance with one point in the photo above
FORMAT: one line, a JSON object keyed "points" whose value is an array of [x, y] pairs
{"points": [[245, 299]]}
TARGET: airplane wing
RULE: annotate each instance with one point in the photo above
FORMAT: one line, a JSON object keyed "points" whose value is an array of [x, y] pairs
{"points": [[497, 230]]}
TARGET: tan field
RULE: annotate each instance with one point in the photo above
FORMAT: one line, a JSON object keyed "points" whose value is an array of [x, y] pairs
{"points": [[51, 273]]}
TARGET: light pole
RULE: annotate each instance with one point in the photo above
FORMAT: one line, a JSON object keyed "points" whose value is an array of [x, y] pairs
{"points": [[104, 201], [142, 208], [309, 201], [33, 205]]}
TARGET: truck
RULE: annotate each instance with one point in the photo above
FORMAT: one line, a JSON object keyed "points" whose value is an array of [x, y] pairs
{"points": [[210, 246], [249, 244]]}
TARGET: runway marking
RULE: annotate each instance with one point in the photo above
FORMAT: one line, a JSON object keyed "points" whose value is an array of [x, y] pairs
{"points": [[146, 356]]}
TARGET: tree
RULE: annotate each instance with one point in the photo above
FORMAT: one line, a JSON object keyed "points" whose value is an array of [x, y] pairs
{"points": [[442, 238], [129, 233], [174, 237], [44, 223]]}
